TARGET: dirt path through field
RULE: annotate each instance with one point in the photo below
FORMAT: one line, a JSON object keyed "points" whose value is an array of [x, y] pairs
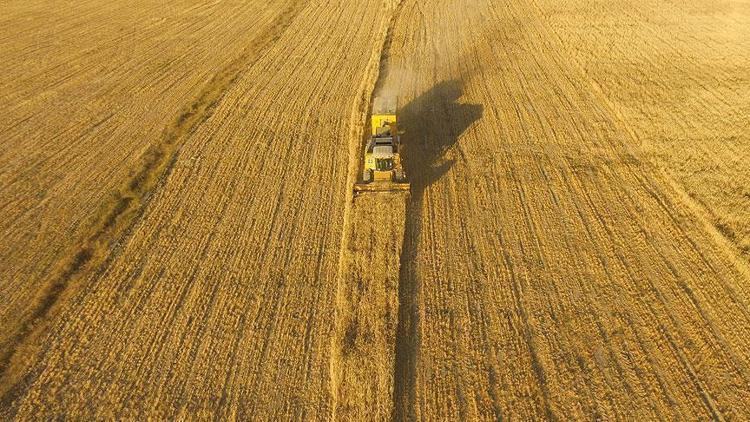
{"points": [[367, 293]]}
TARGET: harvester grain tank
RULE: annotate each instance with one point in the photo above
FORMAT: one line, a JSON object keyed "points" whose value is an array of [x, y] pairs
{"points": [[383, 169]]}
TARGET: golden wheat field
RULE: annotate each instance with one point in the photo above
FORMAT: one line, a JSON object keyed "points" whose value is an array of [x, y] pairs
{"points": [[180, 236]]}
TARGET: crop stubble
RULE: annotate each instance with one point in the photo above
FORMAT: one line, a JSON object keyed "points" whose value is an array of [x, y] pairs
{"points": [[367, 308]]}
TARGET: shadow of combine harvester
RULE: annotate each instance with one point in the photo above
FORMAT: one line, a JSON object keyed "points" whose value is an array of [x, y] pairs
{"points": [[434, 123]]}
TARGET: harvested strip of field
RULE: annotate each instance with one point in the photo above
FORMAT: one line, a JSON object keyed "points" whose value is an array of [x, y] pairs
{"points": [[367, 308]]}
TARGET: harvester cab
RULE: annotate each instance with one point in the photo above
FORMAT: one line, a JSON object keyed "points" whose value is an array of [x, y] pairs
{"points": [[383, 170]]}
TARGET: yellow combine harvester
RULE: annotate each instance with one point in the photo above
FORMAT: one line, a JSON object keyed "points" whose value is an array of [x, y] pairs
{"points": [[383, 170]]}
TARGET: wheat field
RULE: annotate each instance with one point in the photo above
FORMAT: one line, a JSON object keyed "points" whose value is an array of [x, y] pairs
{"points": [[181, 239]]}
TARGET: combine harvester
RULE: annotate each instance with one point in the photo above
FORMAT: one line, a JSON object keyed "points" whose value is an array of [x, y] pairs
{"points": [[383, 170]]}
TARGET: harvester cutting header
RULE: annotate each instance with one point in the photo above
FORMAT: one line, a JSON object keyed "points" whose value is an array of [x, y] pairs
{"points": [[383, 170]]}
